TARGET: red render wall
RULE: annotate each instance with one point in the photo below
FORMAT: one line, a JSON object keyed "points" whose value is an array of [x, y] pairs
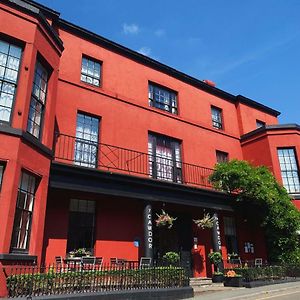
{"points": [[257, 152], [247, 117], [127, 124], [22, 27], [10, 151], [118, 223], [262, 150], [284, 139], [124, 78], [15, 152]]}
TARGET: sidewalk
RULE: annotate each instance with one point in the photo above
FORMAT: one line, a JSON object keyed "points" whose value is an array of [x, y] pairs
{"points": [[276, 291]]}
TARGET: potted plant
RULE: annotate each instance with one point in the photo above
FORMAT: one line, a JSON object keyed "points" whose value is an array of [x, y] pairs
{"points": [[233, 279], [206, 222], [164, 219], [216, 258], [171, 258], [80, 252]]}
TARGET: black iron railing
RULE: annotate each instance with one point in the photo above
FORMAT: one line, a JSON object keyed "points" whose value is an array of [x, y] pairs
{"points": [[87, 153], [266, 272], [39, 281]]}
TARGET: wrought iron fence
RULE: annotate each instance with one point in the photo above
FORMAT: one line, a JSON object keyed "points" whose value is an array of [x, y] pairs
{"points": [[271, 272], [33, 281], [78, 151]]}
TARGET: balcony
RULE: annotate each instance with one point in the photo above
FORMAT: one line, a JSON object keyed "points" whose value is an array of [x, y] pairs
{"points": [[104, 157]]}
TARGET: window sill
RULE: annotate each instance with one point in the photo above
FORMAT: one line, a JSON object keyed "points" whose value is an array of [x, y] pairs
{"points": [[18, 257]]}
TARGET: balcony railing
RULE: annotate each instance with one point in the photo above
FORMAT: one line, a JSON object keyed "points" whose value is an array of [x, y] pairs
{"points": [[82, 152]]}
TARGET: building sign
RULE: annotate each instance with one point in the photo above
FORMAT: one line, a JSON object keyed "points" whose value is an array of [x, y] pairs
{"points": [[216, 234], [148, 231], [149, 228]]}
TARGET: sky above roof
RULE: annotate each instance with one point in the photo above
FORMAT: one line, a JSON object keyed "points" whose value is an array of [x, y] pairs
{"points": [[246, 47]]}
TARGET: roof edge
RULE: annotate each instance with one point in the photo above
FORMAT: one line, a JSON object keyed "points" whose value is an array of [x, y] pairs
{"points": [[259, 105], [39, 12], [266, 128], [89, 35]]}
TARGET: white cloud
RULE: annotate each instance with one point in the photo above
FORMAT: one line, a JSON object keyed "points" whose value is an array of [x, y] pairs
{"points": [[159, 32], [130, 28], [145, 51]]}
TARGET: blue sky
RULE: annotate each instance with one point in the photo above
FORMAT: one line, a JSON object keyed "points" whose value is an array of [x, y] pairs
{"points": [[247, 47]]}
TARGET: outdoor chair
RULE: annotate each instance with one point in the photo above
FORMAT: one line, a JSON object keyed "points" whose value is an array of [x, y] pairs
{"points": [[258, 262], [59, 263], [88, 262], [98, 262], [113, 261], [145, 262]]}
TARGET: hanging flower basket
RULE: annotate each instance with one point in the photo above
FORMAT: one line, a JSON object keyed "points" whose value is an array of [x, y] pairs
{"points": [[206, 222], [164, 219]]}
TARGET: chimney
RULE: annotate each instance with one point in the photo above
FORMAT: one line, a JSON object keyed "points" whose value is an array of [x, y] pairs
{"points": [[209, 82]]}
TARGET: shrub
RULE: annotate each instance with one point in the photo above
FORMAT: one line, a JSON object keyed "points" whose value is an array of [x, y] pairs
{"points": [[259, 194], [171, 258]]}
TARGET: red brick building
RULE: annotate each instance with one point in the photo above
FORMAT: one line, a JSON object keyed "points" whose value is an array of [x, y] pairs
{"points": [[95, 139]]}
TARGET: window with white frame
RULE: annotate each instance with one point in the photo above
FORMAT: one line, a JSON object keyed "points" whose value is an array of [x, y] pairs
{"points": [[23, 213], [90, 71], [10, 58], [164, 158], [163, 98], [289, 169], [216, 115], [38, 100], [86, 145]]}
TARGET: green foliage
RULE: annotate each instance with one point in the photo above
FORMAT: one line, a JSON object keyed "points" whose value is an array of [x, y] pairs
{"points": [[259, 194], [171, 257], [215, 257], [53, 282], [267, 273]]}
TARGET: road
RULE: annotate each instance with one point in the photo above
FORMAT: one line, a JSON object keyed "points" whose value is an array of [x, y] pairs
{"points": [[284, 291]]}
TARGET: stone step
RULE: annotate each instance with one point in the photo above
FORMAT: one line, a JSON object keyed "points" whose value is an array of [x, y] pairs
{"points": [[200, 281]]}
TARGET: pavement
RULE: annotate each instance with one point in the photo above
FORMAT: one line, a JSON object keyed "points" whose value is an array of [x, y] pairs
{"points": [[283, 291]]}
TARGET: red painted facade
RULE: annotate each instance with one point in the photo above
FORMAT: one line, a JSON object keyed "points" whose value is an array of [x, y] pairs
{"points": [[125, 120]]}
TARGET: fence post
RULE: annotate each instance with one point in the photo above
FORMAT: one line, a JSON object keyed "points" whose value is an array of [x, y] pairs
{"points": [[3, 286]]}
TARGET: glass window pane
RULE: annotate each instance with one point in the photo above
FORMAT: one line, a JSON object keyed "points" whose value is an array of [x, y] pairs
{"points": [[162, 98], [23, 212], [289, 169], [90, 71]]}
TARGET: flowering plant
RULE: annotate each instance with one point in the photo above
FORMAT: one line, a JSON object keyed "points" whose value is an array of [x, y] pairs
{"points": [[164, 219], [79, 252], [206, 222], [232, 273]]}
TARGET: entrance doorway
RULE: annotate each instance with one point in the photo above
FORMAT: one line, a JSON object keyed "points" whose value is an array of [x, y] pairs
{"points": [[177, 239]]}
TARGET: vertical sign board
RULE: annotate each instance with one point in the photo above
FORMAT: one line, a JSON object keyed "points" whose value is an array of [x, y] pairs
{"points": [[216, 234], [148, 231], [217, 239]]}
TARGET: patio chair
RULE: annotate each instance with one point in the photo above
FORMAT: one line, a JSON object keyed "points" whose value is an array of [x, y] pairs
{"points": [[99, 262], [59, 263], [145, 262], [258, 262], [88, 262], [113, 261]]}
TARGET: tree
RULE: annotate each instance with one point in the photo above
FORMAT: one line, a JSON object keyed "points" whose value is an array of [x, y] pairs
{"points": [[261, 199]]}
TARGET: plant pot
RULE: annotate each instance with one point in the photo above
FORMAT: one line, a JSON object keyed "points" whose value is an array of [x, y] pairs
{"points": [[217, 278], [233, 281]]}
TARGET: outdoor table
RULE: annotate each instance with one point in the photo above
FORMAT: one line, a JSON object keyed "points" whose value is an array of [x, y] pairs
{"points": [[73, 263]]}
